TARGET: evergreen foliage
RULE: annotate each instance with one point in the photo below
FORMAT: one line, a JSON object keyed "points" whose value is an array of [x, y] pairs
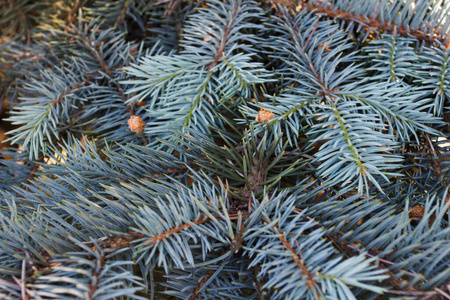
{"points": [[236, 149]]}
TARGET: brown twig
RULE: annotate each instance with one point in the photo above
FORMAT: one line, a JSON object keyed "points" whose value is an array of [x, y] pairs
{"points": [[310, 282], [345, 247], [446, 295], [33, 171], [159, 237], [119, 18], [420, 294], [221, 48], [435, 162], [79, 85], [374, 23], [73, 11], [310, 36], [200, 284], [95, 277]]}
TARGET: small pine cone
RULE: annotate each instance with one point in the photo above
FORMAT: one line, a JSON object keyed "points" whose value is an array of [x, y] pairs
{"points": [[416, 212], [136, 124], [264, 116]]}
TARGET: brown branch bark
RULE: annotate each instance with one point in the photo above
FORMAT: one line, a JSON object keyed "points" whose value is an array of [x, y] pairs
{"points": [[226, 33], [166, 234], [33, 171], [200, 284], [434, 159], [97, 272], [81, 84], [73, 12], [120, 16], [349, 250], [310, 282], [325, 91], [373, 24]]}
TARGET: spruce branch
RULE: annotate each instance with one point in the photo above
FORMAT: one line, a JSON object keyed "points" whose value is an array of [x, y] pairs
{"points": [[166, 234], [33, 171], [121, 14], [297, 258], [200, 284], [375, 24], [89, 274], [218, 53], [61, 97], [71, 16], [219, 149]]}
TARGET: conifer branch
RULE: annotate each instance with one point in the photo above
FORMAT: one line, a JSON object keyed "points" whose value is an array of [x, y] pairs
{"points": [[166, 234], [434, 157], [310, 281], [348, 140], [259, 283], [200, 284], [343, 245], [98, 57], [342, 107], [73, 12], [33, 171], [123, 241], [96, 272], [197, 100], [324, 90], [219, 51], [121, 14], [77, 86], [288, 113], [373, 24]]}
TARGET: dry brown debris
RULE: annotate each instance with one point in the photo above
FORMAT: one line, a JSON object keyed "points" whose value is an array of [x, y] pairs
{"points": [[417, 212], [136, 124], [264, 116]]}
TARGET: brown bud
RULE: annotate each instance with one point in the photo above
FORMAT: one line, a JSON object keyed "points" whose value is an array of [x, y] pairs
{"points": [[264, 116], [324, 46], [136, 124], [139, 103]]}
